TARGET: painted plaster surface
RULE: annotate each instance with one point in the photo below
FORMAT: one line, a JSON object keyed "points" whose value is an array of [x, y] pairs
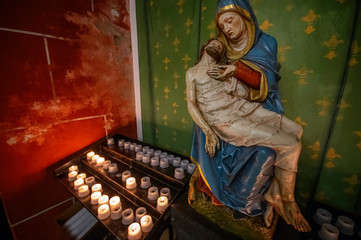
{"points": [[66, 79]]}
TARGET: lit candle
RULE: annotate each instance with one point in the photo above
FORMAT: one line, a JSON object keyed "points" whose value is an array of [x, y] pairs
{"points": [[162, 204], [103, 211], [94, 159], [134, 232], [157, 153], [139, 156], [153, 193], [121, 142], [126, 145], [191, 167], [77, 183], [100, 161], [113, 168], [126, 175], [184, 164], [89, 155], [154, 161], [139, 213], [81, 175], [90, 181], [131, 183], [104, 199], [95, 197], [164, 163], [110, 141], [116, 213], [73, 168], [138, 148], [97, 188], [179, 173], [145, 182], [170, 158], [177, 162], [106, 164], [146, 158], [127, 216], [114, 202], [72, 175], [146, 223], [165, 192], [83, 191]]}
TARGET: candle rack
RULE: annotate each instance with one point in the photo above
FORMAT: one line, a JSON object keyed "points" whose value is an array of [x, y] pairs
{"points": [[124, 161]]}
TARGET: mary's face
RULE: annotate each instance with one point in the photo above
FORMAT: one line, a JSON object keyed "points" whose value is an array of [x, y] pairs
{"points": [[232, 25]]}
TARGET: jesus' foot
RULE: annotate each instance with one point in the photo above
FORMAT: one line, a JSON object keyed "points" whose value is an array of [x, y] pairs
{"points": [[295, 217]]}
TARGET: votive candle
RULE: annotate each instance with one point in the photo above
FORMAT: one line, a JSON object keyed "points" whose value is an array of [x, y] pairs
{"points": [[134, 232], [146, 223], [103, 211]]}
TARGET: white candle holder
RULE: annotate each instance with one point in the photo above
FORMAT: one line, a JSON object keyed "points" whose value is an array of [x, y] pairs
{"points": [[127, 216], [153, 193], [130, 183], [106, 164], [139, 156], [145, 182], [100, 161], [81, 175], [115, 202], [94, 158], [113, 168], [73, 168], [322, 216], [116, 213], [97, 188], [157, 153], [345, 225], [110, 141], [328, 232], [125, 175], [126, 145], [176, 162], [146, 158], [164, 163], [170, 158], [138, 148], [184, 164], [146, 223], [191, 167], [103, 211], [94, 197], [150, 151], [139, 213], [104, 199], [134, 232], [89, 155], [72, 176], [132, 146], [90, 181], [154, 161], [162, 204], [163, 155], [83, 191], [121, 142], [77, 183], [145, 149], [165, 192], [179, 173]]}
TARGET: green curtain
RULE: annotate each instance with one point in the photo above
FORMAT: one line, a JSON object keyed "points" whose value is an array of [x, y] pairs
{"points": [[318, 85]]}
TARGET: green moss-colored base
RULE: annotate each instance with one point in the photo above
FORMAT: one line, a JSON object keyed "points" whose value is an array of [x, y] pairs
{"points": [[250, 228]]}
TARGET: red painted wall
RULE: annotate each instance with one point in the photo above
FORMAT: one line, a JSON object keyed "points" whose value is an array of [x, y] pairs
{"points": [[66, 79]]}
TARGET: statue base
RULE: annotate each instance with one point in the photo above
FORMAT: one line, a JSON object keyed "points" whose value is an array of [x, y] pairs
{"points": [[250, 228]]}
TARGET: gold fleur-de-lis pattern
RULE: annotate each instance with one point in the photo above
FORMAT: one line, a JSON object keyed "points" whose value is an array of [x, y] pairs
{"points": [[319, 87]]}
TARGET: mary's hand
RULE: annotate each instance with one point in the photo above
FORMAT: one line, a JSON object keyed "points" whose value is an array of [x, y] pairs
{"points": [[212, 143], [221, 72]]}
